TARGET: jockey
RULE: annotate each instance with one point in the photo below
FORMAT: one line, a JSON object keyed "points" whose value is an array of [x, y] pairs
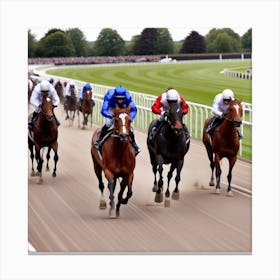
{"points": [[51, 80], [37, 98], [84, 88], [30, 84], [70, 88], [119, 96], [219, 108], [161, 108]]}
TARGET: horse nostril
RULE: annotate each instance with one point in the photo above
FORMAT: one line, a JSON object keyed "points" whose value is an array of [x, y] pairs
{"points": [[236, 123]]}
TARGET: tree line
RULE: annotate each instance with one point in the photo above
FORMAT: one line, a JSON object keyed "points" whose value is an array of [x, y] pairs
{"points": [[151, 41]]}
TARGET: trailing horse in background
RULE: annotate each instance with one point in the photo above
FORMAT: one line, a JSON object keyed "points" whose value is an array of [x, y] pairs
{"points": [[60, 91], [70, 104], [86, 108], [169, 146], [224, 142]]}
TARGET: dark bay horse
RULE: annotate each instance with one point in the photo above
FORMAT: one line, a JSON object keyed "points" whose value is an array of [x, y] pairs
{"points": [[86, 108], [44, 134], [223, 142], [169, 146], [117, 161], [60, 90], [70, 105]]}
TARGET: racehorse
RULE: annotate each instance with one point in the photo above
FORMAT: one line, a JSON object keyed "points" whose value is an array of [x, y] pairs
{"points": [[45, 134], [86, 108], [169, 146], [70, 105], [59, 89], [223, 142], [117, 161]]}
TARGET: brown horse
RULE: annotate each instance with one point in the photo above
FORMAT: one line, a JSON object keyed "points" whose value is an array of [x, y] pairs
{"points": [[44, 134], [86, 108], [70, 104], [224, 142], [59, 89], [118, 161]]}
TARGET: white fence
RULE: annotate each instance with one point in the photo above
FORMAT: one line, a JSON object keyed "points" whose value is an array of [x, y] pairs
{"points": [[194, 119]]}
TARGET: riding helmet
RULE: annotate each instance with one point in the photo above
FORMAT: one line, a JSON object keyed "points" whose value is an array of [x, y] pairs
{"points": [[172, 95], [45, 85], [120, 92], [228, 94]]}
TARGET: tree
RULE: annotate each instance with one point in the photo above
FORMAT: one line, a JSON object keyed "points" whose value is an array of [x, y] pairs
{"points": [[164, 42], [194, 43], [146, 43], [78, 40], [56, 44], [246, 41], [109, 43], [223, 40], [32, 44]]}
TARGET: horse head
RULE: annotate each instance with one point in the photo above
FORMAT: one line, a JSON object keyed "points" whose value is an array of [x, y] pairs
{"points": [[234, 112], [88, 94], [47, 108], [122, 122], [175, 117]]}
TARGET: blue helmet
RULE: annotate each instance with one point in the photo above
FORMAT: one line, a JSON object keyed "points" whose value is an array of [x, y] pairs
{"points": [[120, 92], [87, 86], [51, 80]]}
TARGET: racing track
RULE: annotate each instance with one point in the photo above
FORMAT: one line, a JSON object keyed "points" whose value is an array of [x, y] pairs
{"points": [[64, 215]]}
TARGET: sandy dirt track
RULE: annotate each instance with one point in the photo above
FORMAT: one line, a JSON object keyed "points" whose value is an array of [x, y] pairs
{"points": [[64, 215]]}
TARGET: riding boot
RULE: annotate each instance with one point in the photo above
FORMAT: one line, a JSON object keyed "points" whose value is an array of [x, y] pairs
{"points": [[240, 136], [132, 138], [104, 130], [34, 118], [212, 125], [56, 120], [187, 134], [81, 101], [154, 130]]}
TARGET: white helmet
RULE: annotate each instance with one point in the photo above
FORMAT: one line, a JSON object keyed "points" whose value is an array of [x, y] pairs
{"points": [[71, 83], [45, 85], [228, 94], [172, 95]]}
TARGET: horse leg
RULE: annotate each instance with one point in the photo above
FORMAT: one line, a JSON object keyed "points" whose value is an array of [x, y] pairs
{"points": [[98, 172], [112, 211], [218, 173], [155, 176], [48, 158], [229, 176], [31, 148], [212, 164], [167, 193], [159, 195], [39, 160], [176, 193], [125, 183], [55, 158]]}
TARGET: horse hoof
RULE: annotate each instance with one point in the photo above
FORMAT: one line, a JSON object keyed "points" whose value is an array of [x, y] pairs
{"points": [[211, 183], [112, 214], [159, 197], [102, 205], [40, 182], [167, 203], [54, 175], [33, 173], [117, 213], [217, 191], [230, 193], [154, 188], [47, 169], [175, 195]]}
